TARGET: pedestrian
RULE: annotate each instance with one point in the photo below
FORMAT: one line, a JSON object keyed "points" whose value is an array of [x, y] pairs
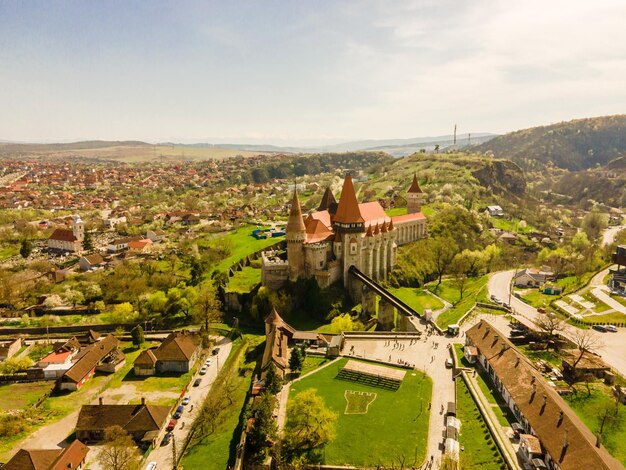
{"points": [[429, 405]]}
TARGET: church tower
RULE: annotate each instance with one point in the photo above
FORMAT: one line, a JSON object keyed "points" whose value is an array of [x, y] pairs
{"points": [[414, 197], [296, 236], [78, 227]]}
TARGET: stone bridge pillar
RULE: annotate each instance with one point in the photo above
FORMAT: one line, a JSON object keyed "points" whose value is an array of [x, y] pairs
{"points": [[368, 302], [403, 323], [385, 315]]}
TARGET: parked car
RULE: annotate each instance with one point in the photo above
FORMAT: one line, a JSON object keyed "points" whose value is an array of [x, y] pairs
{"points": [[208, 362], [166, 439], [179, 411], [216, 351], [203, 370], [496, 300], [449, 363], [151, 466], [186, 400], [505, 305], [611, 328], [197, 382], [541, 310], [601, 328]]}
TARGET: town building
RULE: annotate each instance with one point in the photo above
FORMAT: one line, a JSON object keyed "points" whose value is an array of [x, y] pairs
{"points": [[566, 443], [87, 263], [71, 457], [338, 235], [177, 353], [145, 423], [9, 348], [70, 240], [531, 277]]}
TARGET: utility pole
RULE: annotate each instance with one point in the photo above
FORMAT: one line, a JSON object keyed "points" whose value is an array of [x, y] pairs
{"points": [[174, 460], [469, 139], [454, 135]]}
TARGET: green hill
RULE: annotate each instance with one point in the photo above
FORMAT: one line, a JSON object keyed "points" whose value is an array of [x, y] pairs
{"points": [[574, 145]]}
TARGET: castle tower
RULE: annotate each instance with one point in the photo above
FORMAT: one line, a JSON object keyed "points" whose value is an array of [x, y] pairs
{"points": [[414, 197], [78, 227], [328, 202], [295, 236]]}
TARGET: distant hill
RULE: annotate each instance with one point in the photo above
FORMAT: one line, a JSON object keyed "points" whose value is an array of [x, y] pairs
{"points": [[574, 145]]}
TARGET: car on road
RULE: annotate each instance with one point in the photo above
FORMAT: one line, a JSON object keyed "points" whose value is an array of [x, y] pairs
{"points": [[601, 328], [611, 328], [151, 466], [171, 425], [505, 305], [449, 363], [186, 400], [197, 382], [496, 300], [166, 439], [179, 411], [208, 362], [542, 310], [203, 370], [216, 351]]}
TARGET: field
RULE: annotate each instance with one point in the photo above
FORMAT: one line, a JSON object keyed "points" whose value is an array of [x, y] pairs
{"points": [[395, 424], [417, 299], [479, 448], [244, 280], [21, 395], [569, 284], [475, 291]]}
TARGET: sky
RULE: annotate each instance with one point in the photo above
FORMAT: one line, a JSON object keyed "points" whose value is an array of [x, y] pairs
{"points": [[304, 72]]}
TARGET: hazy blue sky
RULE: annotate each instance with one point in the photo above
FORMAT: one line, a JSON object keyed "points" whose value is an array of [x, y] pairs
{"points": [[303, 72]]}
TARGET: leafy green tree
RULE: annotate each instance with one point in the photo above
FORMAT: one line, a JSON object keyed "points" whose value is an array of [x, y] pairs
{"points": [[118, 451], [88, 241], [13, 365], [73, 297], [122, 313], [137, 335], [207, 307], [296, 361], [344, 322], [157, 303], [26, 248], [310, 423], [264, 429], [593, 224], [273, 382], [442, 252]]}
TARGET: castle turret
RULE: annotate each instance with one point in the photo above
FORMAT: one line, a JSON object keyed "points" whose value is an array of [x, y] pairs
{"points": [[414, 197], [348, 218], [295, 236], [328, 202]]}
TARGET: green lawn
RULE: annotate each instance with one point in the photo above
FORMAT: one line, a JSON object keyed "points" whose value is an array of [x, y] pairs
{"points": [[216, 451], [499, 407], [619, 298], [395, 211], [479, 449], [550, 357], [242, 244], [511, 225], [615, 317], [21, 395], [7, 251], [591, 409], [599, 306], [395, 425], [244, 280], [312, 362], [417, 299], [475, 291], [569, 284]]}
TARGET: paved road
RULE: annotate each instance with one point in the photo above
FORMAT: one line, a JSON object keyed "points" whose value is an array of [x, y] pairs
{"points": [[163, 454], [609, 234], [613, 349]]}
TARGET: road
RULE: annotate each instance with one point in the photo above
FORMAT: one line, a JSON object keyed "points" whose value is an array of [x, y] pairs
{"points": [[609, 234], [163, 455], [613, 349]]}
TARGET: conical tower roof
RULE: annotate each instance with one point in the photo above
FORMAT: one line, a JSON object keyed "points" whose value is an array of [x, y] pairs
{"points": [[415, 187], [295, 222], [376, 230], [348, 209], [328, 199], [383, 229], [390, 227], [369, 231]]}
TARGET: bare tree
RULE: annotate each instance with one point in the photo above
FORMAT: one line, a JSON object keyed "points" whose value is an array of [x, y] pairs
{"points": [[585, 341], [118, 452], [207, 307], [550, 324]]}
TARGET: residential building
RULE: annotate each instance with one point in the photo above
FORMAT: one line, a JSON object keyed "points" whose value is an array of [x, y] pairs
{"points": [[495, 211], [87, 263], [155, 235], [71, 457], [121, 244], [70, 240], [531, 277], [566, 443], [177, 353], [9, 348]]}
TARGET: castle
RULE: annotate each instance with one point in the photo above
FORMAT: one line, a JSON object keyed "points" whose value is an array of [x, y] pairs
{"points": [[338, 235]]}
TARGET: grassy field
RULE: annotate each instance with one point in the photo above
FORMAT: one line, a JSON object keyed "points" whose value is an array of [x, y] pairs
{"points": [[479, 449], [511, 225], [615, 317], [550, 357], [21, 395], [475, 291], [591, 409], [216, 451], [9, 250], [599, 306], [569, 285], [244, 280], [502, 412], [395, 425], [417, 299], [242, 244], [312, 362], [619, 298]]}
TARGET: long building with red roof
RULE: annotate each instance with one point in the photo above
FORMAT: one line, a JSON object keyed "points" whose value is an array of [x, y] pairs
{"points": [[326, 242]]}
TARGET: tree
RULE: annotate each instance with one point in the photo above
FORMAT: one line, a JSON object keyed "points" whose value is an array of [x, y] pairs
{"points": [[157, 303], [459, 268], [593, 224], [344, 322], [207, 306], [442, 252], [26, 248], [296, 361], [13, 365], [310, 424], [73, 297], [123, 313], [88, 241], [264, 430], [118, 451], [273, 382], [137, 334], [585, 341], [550, 324]]}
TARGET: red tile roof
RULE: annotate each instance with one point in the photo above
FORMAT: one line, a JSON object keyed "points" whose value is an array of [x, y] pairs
{"points": [[64, 235], [295, 222], [348, 208], [408, 217], [415, 187]]}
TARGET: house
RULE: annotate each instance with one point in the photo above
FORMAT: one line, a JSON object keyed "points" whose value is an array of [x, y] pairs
{"points": [[121, 244], [145, 423], [59, 361], [531, 277], [530, 451], [177, 353], [155, 235], [140, 246], [103, 354], [495, 211], [111, 222], [589, 364], [87, 263], [567, 443], [9, 348], [71, 457]]}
